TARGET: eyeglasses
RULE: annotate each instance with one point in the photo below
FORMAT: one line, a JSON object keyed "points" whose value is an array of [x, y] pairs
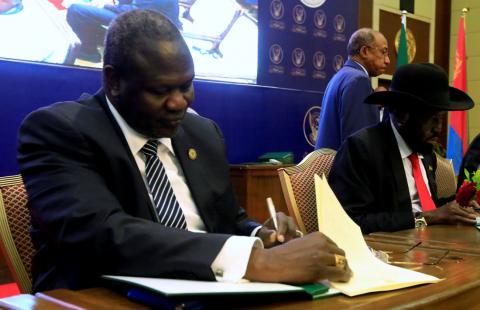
{"points": [[384, 50]]}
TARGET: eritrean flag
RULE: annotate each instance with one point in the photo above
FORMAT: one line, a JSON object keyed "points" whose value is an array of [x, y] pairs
{"points": [[458, 129]]}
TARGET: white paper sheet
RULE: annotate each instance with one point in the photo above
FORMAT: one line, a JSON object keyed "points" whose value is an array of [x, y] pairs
{"points": [[369, 273]]}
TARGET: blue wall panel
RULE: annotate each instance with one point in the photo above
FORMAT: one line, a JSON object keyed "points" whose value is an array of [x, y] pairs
{"points": [[254, 119]]}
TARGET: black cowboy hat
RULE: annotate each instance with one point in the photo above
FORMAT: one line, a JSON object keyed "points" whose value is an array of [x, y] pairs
{"points": [[422, 85]]}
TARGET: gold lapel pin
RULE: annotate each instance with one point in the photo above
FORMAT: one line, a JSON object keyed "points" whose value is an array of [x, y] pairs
{"points": [[192, 154], [430, 168]]}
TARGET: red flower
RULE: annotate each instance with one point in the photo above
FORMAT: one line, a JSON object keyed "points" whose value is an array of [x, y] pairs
{"points": [[466, 193]]}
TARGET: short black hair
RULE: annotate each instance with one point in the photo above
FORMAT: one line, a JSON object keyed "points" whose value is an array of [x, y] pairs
{"points": [[361, 37], [131, 31]]}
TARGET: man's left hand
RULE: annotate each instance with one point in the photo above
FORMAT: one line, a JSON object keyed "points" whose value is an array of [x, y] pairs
{"points": [[286, 230]]}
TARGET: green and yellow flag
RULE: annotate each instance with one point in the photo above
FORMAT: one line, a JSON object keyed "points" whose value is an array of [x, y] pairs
{"points": [[402, 53]]}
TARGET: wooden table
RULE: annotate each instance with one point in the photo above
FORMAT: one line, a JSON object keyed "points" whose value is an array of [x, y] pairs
{"points": [[252, 184], [459, 289], [459, 238]]}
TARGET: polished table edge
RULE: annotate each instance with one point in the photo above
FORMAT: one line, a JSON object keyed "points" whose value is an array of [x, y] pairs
{"points": [[259, 166], [429, 237], [93, 298], [428, 300], [27, 302]]}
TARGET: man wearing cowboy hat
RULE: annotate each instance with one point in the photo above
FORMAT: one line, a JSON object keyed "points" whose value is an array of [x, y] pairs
{"points": [[377, 174]]}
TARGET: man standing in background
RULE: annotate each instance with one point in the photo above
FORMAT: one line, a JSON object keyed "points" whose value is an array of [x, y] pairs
{"points": [[343, 111]]}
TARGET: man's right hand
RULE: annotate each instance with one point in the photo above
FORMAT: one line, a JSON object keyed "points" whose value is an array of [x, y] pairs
{"points": [[450, 213], [303, 260]]}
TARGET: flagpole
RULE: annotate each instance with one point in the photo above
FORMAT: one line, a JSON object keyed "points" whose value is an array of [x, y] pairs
{"points": [[404, 18], [467, 115]]}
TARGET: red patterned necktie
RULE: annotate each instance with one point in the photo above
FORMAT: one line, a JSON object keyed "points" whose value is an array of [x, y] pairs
{"points": [[426, 200]]}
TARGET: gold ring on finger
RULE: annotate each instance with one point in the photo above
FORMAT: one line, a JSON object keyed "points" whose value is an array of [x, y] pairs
{"points": [[340, 261]]}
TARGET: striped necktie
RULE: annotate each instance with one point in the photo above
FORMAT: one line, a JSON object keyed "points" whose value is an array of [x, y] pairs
{"points": [[168, 209]]}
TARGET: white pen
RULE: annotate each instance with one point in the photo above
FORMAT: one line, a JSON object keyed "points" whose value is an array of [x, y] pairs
{"points": [[272, 211]]}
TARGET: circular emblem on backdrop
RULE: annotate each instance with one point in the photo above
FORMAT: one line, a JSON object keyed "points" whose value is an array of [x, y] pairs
{"points": [[276, 9], [411, 44], [310, 125], [319, 60], [320, 19], [337, 62], [299, 14], [298, 57], [276, 54], [339, 23], [313, 3]]}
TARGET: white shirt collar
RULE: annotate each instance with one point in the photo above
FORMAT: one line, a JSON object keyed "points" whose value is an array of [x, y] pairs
{"points": [[135, 139], [405, 150], [364, 70]]}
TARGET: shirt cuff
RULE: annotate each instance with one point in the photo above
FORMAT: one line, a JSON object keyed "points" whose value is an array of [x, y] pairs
{"points": [[255, 230], [230, 265]]}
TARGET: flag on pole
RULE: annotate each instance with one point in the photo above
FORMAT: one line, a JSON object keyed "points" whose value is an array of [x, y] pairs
{"points": [[458, 129], [402, 53]]}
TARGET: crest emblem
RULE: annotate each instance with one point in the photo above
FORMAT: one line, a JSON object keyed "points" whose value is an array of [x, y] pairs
{"points": [[277, 9], [192, 153], [319, 60], [299, 14], [310, 125], [298, 57], [313, 3], [337, 62], [276, 54], [320, 19], [339, 23]]}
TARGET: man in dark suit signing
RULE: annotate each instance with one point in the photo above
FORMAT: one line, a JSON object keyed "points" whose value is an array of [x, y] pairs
{"points": [[384, 175], [127, 183]]}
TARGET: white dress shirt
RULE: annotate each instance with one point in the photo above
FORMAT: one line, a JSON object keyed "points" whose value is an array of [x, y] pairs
{"points": [[231, 262], [405, 151], [364, 70]]}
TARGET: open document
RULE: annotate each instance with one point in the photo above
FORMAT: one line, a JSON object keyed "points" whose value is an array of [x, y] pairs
{"points": [[175, 288], [369, 273]]}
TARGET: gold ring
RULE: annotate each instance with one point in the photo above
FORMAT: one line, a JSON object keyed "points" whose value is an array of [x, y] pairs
{"points": [[340, 261]]}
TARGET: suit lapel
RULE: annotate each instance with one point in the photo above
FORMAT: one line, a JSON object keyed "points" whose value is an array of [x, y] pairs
{"points": [[194, 172], [430, 164], [143, 204], [396, 166]]}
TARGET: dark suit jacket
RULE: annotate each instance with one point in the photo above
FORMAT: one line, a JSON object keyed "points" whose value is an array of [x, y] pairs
{"points": [[368, 179], [343, 111], [91, 213]]}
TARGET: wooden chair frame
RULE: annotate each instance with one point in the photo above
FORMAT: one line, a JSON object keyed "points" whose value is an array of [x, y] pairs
{"points": [[17, 267], [445, 178], [287, 187]]}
